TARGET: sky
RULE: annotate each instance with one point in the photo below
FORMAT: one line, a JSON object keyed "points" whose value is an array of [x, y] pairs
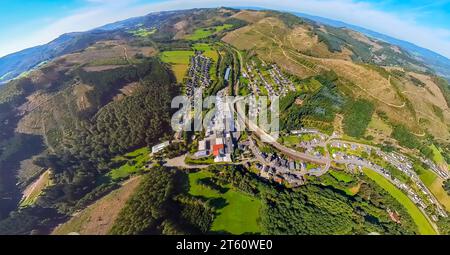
{"points": [[27, 23]]}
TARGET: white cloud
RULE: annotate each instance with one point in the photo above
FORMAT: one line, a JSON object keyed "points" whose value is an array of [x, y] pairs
{"points": [[357, 13]]}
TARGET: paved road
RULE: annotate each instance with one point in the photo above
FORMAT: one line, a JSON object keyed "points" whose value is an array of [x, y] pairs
{"points": [[270, 140]]}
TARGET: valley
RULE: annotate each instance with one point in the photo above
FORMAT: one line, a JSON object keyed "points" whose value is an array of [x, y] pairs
{"points": [[363, 144]]}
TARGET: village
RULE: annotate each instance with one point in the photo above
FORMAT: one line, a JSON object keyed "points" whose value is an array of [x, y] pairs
{"points": [[278, 85], [223, 143], [198, 74]]}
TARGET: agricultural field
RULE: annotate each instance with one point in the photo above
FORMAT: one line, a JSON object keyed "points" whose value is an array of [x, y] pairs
{"points": [[207, 49], [202, 33], [427, 177], [135, 161], [179, 60], [423, 225], [440, 194], [98, 218], [241, 212]]}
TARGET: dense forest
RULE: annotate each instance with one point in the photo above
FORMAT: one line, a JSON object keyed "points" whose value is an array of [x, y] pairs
{"points": [[357, 117], [318, 109], [150, 206], [85, 154], [319, 209], [119, 127], [322, 207], [162, 206], [12, 151]]}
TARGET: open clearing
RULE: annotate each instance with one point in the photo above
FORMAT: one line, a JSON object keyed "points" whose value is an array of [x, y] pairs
{"points": [[135, 161], [423, 225], [440, 194], [98, 218], [239, 215], [291, 140], [208, 51], [202, 33], [341, 176], [32, 192], [438, 158], [354, 190], [179, 60], [143, 32], [428, 177]]}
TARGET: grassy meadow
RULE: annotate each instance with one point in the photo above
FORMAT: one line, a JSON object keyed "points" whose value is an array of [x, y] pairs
{"points": [[240, 213]]}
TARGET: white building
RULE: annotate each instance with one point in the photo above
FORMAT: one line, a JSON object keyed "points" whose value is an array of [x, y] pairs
{"points": [[202, 145], [159, 147]]}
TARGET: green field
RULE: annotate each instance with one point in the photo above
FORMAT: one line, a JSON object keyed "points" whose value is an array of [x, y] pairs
{"points": [[179, 60], [291, 140], [116, 61], [202, 46], [202, 33], [143, 32], [208, 51], [241, 213], [441, 195], [223, 27], [423, 225], [341, 176], [437, 156], [201, 161], [135, 161], [427, 177], [177, 56]]}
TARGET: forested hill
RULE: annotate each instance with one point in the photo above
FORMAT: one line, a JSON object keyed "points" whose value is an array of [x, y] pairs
{"points": [[80, 114], [15, 64]]}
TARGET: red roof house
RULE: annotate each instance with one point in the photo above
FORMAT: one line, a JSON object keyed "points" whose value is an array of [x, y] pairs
{"points": [[217, 148]]}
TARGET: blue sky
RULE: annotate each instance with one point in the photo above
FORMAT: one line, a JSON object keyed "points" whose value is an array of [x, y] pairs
{"points": [[26, 23]]}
